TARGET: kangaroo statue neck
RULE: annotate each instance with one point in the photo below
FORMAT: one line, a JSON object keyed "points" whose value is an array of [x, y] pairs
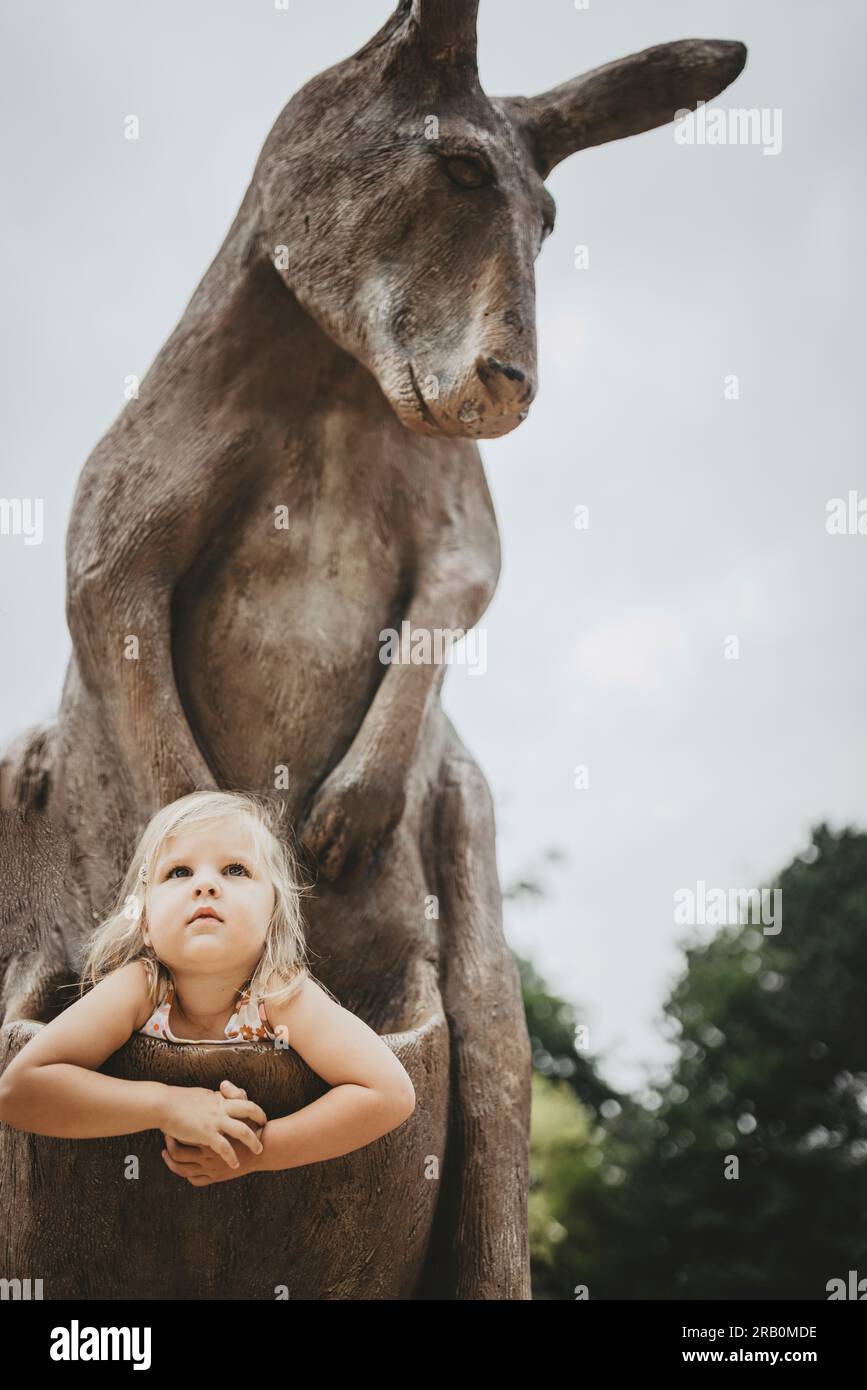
{"points": [[254, 342]]}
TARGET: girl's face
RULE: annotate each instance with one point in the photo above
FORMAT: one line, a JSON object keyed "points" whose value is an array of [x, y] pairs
{"points": [[209, 869]]}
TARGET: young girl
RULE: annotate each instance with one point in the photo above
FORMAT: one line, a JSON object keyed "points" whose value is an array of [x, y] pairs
{"points": [[206, 945]]}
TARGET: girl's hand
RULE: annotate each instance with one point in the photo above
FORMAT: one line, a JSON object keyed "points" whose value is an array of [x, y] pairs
{"points": [[202, 1119], [201, 1166]]}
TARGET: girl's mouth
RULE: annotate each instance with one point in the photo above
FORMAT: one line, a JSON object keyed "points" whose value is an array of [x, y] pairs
{"points": [[205, 915]]}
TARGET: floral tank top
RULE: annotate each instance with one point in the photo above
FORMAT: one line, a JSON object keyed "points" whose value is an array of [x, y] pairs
{"points": [[248, 1023]]}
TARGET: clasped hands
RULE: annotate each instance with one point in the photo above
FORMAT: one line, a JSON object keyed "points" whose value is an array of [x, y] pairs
{"points": [[201, 1165]]}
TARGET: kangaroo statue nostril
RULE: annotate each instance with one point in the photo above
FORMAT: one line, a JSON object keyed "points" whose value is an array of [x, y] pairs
{"points": [[513, 373], [510, 387]]}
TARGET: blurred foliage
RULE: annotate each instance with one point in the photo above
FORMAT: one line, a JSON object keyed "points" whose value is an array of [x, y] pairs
{"points": [[629, 1195]]}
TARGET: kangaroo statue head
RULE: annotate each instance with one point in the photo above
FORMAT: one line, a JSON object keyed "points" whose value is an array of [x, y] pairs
{"points": [[404, 208]]}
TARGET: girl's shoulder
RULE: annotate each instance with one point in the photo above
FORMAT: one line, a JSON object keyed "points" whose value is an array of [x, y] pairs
{"points": [[279, 1012], [89, 1031], [304, 1014], [141, 981]]}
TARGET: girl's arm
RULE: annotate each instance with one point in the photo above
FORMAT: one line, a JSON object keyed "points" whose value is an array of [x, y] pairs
{"points": [[372, 1093], [347, 1118], [52, 1086]]}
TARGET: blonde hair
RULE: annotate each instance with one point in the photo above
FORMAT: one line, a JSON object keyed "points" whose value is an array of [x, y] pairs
{"points": [[119, 938]]}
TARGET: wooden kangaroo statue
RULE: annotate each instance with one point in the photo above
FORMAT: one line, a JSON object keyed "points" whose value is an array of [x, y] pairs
{"points": [[299, 474]]}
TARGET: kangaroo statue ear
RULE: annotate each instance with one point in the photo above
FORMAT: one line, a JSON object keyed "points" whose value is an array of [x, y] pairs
{"points": [[446, 30], [625, 97]]}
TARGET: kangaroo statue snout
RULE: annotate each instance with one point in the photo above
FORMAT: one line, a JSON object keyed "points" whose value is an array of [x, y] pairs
{"points": [[298, 477]]}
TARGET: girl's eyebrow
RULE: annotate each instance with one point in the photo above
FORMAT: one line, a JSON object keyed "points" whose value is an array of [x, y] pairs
{"points": [[183, 858]]}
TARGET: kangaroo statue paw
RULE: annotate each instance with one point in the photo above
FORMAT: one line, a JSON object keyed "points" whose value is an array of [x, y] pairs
{"points": [[351, 818]]}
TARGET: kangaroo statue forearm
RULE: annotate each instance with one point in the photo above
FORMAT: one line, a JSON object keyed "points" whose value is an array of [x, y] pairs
{"points": [[298, 474]]}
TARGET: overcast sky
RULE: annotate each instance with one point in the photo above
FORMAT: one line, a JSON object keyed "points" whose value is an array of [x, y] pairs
{"points": [[604, 647]]}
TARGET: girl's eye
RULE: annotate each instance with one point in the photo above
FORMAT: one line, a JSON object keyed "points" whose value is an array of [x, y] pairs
{"points": [[175, 867]]}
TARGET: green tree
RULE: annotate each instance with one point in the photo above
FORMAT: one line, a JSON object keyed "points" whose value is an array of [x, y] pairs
{"points": [[631, 1195]]}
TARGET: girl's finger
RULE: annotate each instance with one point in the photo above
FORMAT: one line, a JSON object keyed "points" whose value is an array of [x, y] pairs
{"points": [[248, 1110], [230, 1089], [176, 1168], [181, 1153], [244, 1134], [224, 1150]]}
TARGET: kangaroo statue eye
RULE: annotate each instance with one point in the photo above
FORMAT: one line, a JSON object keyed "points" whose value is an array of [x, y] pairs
{"points": [[467, 171]]}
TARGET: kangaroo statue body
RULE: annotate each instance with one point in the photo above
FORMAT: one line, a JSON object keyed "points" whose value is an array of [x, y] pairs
{"points": [[369, 316]]}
